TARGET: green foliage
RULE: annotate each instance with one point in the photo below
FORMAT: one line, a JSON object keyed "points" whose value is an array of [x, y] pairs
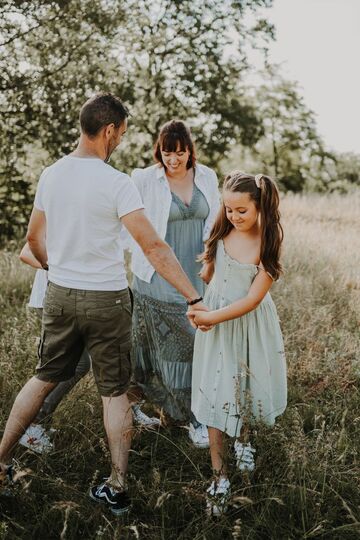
{"points": [[290, 148], [291, 145], [50, 62], [163, 58], [346, 176]]}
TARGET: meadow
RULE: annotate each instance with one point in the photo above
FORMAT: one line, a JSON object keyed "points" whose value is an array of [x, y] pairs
{"points": [[306, 482]]}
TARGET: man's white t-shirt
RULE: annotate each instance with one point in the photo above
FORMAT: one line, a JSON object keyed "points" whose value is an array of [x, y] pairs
{"points": [[83, 199]]}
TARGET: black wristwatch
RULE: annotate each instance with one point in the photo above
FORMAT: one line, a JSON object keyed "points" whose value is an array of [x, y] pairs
{"points": [[192, 302]]}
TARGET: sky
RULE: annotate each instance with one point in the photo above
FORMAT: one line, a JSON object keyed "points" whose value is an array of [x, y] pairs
{"points": [[318, 42]]}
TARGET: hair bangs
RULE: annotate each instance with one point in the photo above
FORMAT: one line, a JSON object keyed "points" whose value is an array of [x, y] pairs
{"points": [[173, 141]]}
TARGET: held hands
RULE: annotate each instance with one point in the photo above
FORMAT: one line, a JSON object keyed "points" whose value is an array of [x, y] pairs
{"points": [[200, 317]]}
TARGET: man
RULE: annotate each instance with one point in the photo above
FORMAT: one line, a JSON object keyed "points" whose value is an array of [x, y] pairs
{"points": [[80, 206]]}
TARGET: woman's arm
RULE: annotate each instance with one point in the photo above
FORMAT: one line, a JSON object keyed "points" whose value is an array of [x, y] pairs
{"points": [[260, 286], [27, 257]]}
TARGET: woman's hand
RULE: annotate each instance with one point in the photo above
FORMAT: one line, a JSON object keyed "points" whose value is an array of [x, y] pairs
{"points": [[207, 271]]}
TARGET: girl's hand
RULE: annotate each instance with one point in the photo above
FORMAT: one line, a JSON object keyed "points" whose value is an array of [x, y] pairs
{"points": [[203, 319]]}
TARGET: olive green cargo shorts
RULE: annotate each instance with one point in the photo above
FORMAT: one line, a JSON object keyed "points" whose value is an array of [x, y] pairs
{"points": [[98, 320]]}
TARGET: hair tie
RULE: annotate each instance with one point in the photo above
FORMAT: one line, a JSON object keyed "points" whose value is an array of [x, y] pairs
{"points": [[258, 178]]}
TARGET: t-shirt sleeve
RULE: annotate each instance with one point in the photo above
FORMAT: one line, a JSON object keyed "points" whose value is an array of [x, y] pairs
{"points": [[38, 202], [128, 197]]}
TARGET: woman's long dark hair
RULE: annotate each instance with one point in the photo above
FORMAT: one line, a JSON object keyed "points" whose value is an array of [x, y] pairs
{"points": [[264, 192]]}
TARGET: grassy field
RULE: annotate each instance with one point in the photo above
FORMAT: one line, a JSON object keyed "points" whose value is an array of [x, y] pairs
{"points": [[306, 483]]}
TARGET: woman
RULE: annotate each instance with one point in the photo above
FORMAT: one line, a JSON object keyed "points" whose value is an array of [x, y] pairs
{"points": [[181, 199]]}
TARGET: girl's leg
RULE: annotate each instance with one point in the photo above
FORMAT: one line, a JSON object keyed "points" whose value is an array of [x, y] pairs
{"points": [[244, 434], [217, 451], [53, 399], [218, 493]]}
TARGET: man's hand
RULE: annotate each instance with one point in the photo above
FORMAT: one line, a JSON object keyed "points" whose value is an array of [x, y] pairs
{"points": [[200, 306]]}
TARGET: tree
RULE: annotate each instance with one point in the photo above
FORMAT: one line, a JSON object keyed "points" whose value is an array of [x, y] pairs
{"points": [[347, 171], [291, 146], [176, 59], [50, 59], [165, 58]]}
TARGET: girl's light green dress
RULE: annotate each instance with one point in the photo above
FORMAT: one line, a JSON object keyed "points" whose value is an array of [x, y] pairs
{"points": [[239, 368]]}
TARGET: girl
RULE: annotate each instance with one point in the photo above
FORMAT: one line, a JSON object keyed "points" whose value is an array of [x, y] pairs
{"points": [[239, 365]]}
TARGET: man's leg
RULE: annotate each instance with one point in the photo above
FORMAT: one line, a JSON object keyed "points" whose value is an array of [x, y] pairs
{"points": [[26, 406], [62, 389], [118, 424]]}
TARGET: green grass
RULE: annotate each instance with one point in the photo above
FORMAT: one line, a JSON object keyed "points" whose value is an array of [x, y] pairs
{"points": [[306, 483]]}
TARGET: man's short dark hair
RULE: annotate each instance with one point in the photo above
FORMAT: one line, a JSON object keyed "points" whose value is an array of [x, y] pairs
{"points": [[101, 110]]}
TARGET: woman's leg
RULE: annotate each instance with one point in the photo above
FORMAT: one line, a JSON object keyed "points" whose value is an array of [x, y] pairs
{"points": [[62, 389]]}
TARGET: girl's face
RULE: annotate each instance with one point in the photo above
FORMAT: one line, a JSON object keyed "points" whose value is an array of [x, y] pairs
{"points": [[175, 161], [241, 210]]}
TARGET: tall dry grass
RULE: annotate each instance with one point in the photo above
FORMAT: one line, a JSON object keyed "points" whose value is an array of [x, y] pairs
{"points": [[306, 483]]}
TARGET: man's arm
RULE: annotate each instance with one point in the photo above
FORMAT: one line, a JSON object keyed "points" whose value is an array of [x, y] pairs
{"points": [[27, 257], [36, 236], [159, 254]]}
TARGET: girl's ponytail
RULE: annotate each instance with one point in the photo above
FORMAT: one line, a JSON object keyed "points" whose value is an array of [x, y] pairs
{"points": [[271, 230]]}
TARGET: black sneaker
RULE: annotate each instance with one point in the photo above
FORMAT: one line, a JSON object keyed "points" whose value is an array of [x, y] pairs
{"points": [[118, 501], [7, 481]]}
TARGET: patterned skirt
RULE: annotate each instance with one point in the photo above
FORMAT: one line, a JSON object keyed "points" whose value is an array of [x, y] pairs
{"points": [[163, 342]]}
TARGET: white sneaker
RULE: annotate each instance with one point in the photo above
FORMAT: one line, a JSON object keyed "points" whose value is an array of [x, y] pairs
{"points": [[244, 454], [199, 436], [143, 419], [217, 497], [36, 439]]}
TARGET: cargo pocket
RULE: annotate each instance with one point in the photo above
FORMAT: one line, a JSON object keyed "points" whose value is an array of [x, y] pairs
{"points": [[52, 310]]}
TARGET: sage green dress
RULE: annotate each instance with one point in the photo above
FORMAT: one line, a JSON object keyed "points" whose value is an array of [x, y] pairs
{"points": [[239, 368]]}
